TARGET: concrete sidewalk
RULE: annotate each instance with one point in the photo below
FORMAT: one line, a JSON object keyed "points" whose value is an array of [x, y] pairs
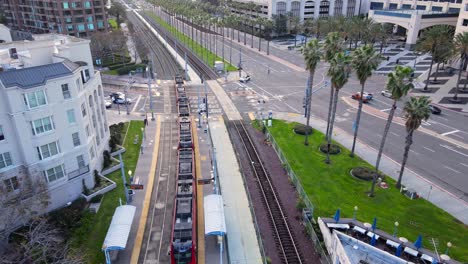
{"points": [[438, 196], [242, 241], [144, 174]]}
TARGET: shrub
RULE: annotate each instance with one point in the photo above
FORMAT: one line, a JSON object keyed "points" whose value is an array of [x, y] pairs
{"points": [[302, 129], [363, 173], [300, 204], [69, 217], [120, 65], [97, 178], [112, 143], [106, 159], [127, 69], [96, 199], [334, 149]]}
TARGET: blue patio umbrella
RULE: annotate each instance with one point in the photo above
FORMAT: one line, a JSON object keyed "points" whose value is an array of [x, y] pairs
{"points": [[434, 261], [373, 240], [399, 250], [337, 215], [374, 224], [418, 243]]}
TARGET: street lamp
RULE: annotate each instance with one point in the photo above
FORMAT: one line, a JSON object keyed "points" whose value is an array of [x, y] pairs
{"points": [[355, 212], [143, 130], [396, 229], [449, 245], [130, 175]]}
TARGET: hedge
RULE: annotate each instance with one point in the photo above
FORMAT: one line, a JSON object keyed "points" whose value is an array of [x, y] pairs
{"points": [[127, 69], [118, 66]]}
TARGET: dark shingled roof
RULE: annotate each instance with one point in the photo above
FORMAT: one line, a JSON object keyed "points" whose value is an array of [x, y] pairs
{"points": [[35, 76]]}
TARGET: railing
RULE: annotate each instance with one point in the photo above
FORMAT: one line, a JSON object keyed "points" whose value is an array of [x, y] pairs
{"points": [[78, 172], [324, 257]]}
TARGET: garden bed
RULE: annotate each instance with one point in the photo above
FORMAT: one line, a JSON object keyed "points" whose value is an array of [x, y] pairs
{"points": [[105, 186]]}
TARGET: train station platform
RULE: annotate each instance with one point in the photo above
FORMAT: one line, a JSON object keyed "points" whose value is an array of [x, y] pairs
{"points": [[242, 243]]}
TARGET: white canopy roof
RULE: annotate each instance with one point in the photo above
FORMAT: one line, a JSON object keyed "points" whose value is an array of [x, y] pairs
{"points": [[214, 215], [119, 229]]}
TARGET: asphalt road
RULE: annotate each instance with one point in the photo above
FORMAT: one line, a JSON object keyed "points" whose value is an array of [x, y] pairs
{"points": [[282, 87]]}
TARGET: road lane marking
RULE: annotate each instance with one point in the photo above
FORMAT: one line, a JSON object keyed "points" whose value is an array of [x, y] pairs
{"points": [[431, 150], [385, 110], [463, 164], [272, 95], [456, 151], [452, 169], [136, 103], [458, 136], [395, 134], [414, 152], [450, 132]]}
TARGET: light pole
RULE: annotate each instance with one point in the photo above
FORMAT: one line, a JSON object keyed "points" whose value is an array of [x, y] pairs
{"points": [[449, 245], [395, 231], [130, 175], [143, 130], [130, 81], [124, 179], [355, 212]]}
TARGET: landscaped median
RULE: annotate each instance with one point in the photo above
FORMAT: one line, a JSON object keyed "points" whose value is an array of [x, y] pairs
{"points": [[330, 186], [198, 49], [88, 238]]}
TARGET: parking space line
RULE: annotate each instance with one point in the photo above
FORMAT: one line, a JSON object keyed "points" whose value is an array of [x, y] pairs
{"points": [[431, 150], [463, 164], [395, 134], [456, 151], [452, 169]]}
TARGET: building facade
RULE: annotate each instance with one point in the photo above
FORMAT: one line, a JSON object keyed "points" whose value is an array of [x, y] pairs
{"points": [[462, 23], [310, 9], [444, 6], [76, 17], [53, 124]]}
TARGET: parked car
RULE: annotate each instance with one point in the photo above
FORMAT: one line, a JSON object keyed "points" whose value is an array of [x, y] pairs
{"points": [[123, 101], [435, 110], [386, 93], [245, 79], [366, 98], [108, 103], [113, 96]]}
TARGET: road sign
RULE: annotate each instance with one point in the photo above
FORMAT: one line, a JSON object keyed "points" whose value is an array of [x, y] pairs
{"points": [[136, 186]]}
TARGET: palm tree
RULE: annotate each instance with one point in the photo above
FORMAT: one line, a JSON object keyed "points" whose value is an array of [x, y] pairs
{"points": [[461, 49], [312, 53], [431, 40], [332, 46], [365, 61], [416, 110], [340, 68], [399, 84]]}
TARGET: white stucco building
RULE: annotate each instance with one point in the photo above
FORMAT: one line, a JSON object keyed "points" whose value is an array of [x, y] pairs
{"points": [[53, 124], [462, 23], [310, 9]]}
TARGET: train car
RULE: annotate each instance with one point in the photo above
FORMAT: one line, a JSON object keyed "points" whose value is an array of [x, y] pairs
{"points": [[185, 133], [184, 229]]}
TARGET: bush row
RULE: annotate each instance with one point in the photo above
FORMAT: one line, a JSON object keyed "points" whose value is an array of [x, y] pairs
{"points": [[127, 69], [120, 65]]}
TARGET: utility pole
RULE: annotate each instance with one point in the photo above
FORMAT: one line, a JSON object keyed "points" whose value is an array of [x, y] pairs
{"points": [[186, 67], [130, 81], [240, 62], [199, 113]]}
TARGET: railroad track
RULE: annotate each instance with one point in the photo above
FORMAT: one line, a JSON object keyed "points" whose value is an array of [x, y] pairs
{"points": [[284, 238], [166, 67], [203, 70]]}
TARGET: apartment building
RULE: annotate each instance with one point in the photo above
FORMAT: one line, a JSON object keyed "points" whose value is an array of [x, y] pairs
{"points": [[308, 9], [75, 17], [53, 123]]}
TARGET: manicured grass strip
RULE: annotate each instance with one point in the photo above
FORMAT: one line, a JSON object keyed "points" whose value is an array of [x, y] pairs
{"points": [[113, 23], [90, 236], [198, 49], [110, 72], [330, 187]]}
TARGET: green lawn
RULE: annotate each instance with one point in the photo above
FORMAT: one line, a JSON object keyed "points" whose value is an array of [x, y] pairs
{"points": [[330, 187], [110, 72], [90, 236], [113, 23], [198, 49]]}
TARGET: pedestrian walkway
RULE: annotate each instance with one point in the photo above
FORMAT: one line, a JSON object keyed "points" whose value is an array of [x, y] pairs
{"points": [[242, 241], [396, 54], [438, 196], [144, 174], [226, 102]]}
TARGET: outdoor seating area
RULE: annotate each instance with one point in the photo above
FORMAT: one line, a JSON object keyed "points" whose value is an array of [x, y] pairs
{"points": [[383, 243]]}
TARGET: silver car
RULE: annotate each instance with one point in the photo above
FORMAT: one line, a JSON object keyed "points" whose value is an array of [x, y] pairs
{"points": [[386, 93]]}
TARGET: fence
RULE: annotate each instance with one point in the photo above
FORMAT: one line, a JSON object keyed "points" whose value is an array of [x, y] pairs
{"points": [[325, 259]]}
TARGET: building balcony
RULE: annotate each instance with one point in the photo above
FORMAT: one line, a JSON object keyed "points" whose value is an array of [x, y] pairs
{"points": [[78, 172]]}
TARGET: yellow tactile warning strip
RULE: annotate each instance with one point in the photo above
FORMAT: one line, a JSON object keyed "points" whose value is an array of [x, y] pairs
{"points": [[251, 116], [147, 201], [200, 211]]}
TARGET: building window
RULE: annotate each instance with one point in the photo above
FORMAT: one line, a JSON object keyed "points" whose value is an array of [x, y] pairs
{"points": [[5, 160], [465, 22], [83, 109], [11, 184], [437, 8], [2, 135], [466, 7], [71, 116], [296, 8], [87, 131], [76, 139], [281, 8], [324, 8], [35, 99], [80, 161], [91, 26], [100, 24], [65, 5], [70, 28], [338, 7], [80, 27], [66, 91], [87, 4], [42, 125], [91, 152], [54, 174], [48, 150], [78, 84]]}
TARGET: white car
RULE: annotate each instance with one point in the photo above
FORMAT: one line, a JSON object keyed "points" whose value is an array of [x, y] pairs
{"points": [[123, 101], [386, 93], [108, 103], [244, 79]]}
